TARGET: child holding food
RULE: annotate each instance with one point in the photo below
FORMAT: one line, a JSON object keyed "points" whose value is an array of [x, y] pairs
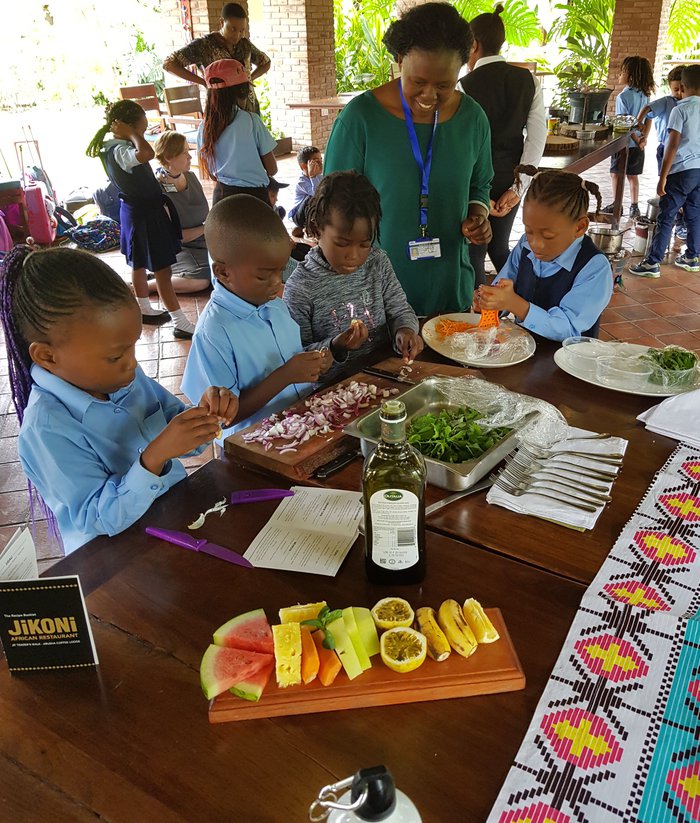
{"points": [[556, 282], [99, 440], [345, 295], [245, 335]]}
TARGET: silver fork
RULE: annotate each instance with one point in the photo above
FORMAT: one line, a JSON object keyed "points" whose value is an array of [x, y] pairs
{"points": [[585, 471], [545, 454], [526, 470], [601, 436], [503, 484], [523, 480]]}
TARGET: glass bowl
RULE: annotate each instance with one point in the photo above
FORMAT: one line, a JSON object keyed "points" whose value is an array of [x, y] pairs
{"points": [[674, 379], [631, 373], [583, 352]]}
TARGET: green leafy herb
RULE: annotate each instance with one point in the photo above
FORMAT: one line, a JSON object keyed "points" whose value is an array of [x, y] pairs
{"points": [[325, 616], [453, 435], [670, 359]]}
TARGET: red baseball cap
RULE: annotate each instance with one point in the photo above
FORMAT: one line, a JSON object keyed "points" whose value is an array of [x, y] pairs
{"points": [[224, 73]]}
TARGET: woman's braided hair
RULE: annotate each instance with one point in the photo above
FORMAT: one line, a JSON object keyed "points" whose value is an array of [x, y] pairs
{"points": [[567, 191], [351, 194], [38, 289], [125, 110]]}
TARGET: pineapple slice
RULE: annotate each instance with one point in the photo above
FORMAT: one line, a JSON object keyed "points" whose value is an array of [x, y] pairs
{"points": [[295, 614], [287, 639]]}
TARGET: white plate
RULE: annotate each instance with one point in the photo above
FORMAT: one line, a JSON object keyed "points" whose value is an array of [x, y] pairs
{"points": [[631, 349], [442, 344]]}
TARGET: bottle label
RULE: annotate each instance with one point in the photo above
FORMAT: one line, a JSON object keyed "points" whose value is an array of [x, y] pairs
{"points": [[394, 528]]}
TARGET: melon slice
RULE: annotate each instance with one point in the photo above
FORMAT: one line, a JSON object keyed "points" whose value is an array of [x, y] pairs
{"points": [[247, 631], [222, 668], [355, 639], [309, 656], [367, 629], [252, 687], [329, 662], [345, 649]]}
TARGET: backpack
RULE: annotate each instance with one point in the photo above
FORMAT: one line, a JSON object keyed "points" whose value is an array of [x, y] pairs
{"points": [[100, 234], [107, 198]]}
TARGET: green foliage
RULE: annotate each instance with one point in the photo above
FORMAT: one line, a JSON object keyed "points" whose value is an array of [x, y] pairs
{"points": [[521, 22], [262, 92], [361, 59], [684, 26]]}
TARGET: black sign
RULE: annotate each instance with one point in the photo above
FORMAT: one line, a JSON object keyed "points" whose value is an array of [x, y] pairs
{"points": [[44, 625]]}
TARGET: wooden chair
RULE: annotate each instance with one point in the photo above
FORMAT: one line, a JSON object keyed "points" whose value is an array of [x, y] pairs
{"points": [[184, 105], [146, 96]]}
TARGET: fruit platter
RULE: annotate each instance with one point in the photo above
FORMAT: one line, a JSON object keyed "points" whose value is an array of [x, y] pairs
{"points": [[318, 659]]}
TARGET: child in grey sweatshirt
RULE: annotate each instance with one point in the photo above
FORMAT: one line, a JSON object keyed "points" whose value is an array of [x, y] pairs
{"points": [[345, 295]]}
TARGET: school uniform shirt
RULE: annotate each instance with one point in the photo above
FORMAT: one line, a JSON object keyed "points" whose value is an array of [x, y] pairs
{"points": [[580, 308], [238, 151], [238, 345], [324, 304], [659, 111], [631, 101], [83, 454], [685, 118], [305, 188]]}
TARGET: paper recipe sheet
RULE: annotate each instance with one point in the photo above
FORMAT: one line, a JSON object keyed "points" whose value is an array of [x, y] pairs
{"points": [[310, 532]]}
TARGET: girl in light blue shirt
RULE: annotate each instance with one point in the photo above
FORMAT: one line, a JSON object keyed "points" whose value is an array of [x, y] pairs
{"points": [[98, 439]]}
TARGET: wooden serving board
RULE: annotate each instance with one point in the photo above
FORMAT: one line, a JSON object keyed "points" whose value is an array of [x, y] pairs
{"points": [[493, 668], [558, 144], [309, 456], [569, 129]]}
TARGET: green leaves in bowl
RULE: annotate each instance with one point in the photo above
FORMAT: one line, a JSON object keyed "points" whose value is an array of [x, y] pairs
{"points": [[673, 366], [453, 435]]}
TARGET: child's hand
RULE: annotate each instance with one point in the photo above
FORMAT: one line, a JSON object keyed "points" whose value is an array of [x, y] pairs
{"points": [[498, 297], [185, 432], [477, 229], [222, 403], [307, 366], [661, 187], [315, 167], [352, 338], [409, 344]]}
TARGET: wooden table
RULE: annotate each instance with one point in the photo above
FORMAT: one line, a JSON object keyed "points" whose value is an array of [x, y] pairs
{"points": [[589, 155], [335, 103], [132, 741]]}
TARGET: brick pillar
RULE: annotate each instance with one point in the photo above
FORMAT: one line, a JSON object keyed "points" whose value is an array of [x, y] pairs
{"points": [[205, 18], [301, 46], [639, 28]]}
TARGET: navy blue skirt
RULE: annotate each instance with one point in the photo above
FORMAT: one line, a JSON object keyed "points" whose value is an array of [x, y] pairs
{"points": [[150, 239]]}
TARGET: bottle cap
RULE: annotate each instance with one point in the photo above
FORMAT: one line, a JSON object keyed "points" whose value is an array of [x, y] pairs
{"points": [[377, 782], [392, 411]]}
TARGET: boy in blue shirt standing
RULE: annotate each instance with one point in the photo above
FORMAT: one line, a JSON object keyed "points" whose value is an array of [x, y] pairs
{"points": [[246, 335], [679, 180]]}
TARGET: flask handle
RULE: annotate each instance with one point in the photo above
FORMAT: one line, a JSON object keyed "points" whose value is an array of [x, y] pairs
{"points": [[328, 799]]}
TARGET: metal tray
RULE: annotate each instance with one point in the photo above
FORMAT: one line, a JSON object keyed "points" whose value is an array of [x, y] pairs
{"points": [[424, 398]]}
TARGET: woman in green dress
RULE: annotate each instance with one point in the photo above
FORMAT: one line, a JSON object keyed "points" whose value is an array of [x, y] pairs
{"points": [[426, 147]]}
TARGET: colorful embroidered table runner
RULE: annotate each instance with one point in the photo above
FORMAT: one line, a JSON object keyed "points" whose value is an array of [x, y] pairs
{"points": [[616, 734]]}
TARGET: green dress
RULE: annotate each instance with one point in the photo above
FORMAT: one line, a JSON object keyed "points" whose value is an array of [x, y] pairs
{"points": [[369, 139]]}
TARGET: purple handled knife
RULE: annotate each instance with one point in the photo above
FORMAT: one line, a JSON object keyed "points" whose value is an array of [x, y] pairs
{"points": [[258, 495], [187, 541]]}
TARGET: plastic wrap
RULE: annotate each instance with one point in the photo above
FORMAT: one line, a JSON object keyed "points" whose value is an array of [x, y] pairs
{"points": [[501, 407], [490, 344]]}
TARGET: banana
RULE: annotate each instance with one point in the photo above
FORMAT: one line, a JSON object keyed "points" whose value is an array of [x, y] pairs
{"points": [[456, 628], [479, 623], [426, 623]]}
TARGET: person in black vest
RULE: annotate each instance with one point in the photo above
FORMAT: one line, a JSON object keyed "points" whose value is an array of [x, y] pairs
{"points": [[556, 281], [512, 100]]}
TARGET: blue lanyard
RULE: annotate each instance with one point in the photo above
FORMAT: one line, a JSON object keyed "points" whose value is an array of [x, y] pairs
{"points": [[423, 166]]}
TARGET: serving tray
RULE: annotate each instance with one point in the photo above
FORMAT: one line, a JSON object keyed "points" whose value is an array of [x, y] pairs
{"points": [[493, 668]]}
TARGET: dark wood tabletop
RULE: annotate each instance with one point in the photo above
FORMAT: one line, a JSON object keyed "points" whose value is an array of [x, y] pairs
{"points": [[131, 741]]}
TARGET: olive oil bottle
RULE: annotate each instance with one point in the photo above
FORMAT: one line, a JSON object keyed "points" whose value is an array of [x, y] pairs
{"points": [[393, 488]]}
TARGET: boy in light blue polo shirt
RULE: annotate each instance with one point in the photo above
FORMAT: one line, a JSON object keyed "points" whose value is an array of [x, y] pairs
{"points": [[679, 181], [246, 335], [659, 111]]}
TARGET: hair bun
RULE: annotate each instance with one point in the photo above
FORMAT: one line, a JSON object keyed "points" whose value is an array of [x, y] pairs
{"points": [[498, 9]]}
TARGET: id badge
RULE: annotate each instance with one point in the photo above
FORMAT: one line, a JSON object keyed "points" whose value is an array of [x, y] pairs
{"points": [[170, 187], [425, 248]]}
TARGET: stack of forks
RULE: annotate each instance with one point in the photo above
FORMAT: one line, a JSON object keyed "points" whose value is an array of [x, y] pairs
{"points": [[574, 478]]}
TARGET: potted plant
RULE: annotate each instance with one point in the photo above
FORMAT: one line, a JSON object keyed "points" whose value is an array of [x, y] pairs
{"points": [[284, 144]]}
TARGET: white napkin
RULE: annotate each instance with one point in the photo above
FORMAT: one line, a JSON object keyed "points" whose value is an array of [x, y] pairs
{"points": [[677, 417], [556, 509]]}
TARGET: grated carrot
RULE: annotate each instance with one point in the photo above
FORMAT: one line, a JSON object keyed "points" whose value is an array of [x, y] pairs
{"points": [[446, 327]]}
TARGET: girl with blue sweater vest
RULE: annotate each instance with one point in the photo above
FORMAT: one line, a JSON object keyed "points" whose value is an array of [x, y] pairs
{"points": [[556, 282]]}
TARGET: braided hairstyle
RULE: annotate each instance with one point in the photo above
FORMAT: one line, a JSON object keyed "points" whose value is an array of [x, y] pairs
{"points": [[567, 191], [639, 74], [220, 111], [351, 195], [39, 289], [125, 110]]}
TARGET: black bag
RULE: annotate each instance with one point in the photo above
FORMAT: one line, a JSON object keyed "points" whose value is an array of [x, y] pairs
{"points": [[107, 199]]}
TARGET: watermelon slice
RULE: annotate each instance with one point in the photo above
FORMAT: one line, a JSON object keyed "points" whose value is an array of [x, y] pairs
{"points": [[247, 631], [252, 687], [223, 668]]}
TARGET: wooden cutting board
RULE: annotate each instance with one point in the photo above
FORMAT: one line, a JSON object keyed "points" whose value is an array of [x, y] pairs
{"points": [[493, 668], [558, 144]]}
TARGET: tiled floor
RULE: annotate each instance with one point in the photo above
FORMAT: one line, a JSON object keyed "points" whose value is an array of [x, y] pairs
{"points": [[650, 312]]}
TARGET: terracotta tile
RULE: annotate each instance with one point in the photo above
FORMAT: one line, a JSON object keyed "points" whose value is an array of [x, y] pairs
{"points": [[175, 348], [646, 340], [172, 366], [12, 478], [48, 549], [9, 425], [622, 331], [678, 293], [8, 451], [658, 326], [688, 322], [635, 313], [667, 308], [682, 338], [605, 335], [172, 384], [14, 507], [620, 299], [5, 387], [6, 404]]}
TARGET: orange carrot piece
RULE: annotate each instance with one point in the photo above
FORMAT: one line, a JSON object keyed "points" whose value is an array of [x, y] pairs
{"points": [[309, 656], [329, 661], [489, 319]]}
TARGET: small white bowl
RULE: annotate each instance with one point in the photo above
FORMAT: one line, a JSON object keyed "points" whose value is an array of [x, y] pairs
{"points": [[631, 373], [583, 353]]}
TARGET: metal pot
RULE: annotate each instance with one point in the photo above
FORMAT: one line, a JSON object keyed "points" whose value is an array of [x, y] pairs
{"points": [[652, 208], [606, 238]]}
